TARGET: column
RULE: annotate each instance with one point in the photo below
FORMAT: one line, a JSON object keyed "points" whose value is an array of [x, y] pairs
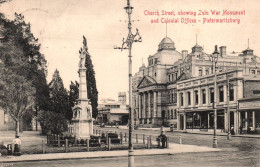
{"points": [[239, 119], [236, 122], [246, 120], [154, 106], [208, 119], [207, 95], [253, 117], [184, 121], [178, 121], [192, 98], [225, 120], [178, 99], [185, 99], [143, 110], [149, 108], [225, 93], [140, 107], [159, 108], [199, 97]]}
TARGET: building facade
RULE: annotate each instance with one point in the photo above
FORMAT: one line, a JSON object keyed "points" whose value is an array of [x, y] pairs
{"points": [[111, 112], [178, 88]]}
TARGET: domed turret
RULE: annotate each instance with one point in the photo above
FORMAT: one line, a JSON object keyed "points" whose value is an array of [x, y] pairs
{"points": [[166, 44]]}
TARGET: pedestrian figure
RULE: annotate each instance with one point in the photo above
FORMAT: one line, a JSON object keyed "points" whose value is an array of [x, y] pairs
{"points": [[241, 129], [17, 146], [162, 138]]}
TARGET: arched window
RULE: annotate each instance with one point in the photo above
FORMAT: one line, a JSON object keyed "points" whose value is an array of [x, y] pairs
{"points": [[181, 99]]}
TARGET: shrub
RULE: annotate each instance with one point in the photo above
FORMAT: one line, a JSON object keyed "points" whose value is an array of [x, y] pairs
{"points": [[52, 122]]}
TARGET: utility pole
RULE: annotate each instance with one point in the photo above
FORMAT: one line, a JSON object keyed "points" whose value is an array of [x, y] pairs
{"points": [[214, 59], [131, 38], [228, 112]]}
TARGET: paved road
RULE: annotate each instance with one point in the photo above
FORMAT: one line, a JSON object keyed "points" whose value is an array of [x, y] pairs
{"points": [[191, 159], [238, 143], [236, 152]]}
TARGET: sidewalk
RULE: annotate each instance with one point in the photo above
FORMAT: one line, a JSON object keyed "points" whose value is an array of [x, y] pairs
{"points": [[197, 131], [173, 149]]}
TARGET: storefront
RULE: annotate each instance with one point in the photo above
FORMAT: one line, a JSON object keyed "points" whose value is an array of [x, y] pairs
{"points": [[249, 115]]}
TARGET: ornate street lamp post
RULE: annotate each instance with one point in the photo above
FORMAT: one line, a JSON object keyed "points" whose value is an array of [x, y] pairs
{"points": [[214, 59], [131, 38]]}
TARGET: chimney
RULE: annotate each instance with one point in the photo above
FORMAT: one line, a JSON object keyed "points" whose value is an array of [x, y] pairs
{"points": [[184, 54], [223, 51]]}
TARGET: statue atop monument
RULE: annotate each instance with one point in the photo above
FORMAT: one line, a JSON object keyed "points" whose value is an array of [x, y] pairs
{"points": [[83, 51]]}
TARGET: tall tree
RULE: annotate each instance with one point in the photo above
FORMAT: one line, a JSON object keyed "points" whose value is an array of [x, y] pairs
{"points": [[91, 80], [74, 93], [17, 95], [19, 43], [59, 96]]}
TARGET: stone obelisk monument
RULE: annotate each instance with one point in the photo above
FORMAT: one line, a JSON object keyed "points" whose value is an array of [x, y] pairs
{"points": [[82, 112]]}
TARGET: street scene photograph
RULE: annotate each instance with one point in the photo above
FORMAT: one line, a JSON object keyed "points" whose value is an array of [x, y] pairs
{"points": [[129, 83]]}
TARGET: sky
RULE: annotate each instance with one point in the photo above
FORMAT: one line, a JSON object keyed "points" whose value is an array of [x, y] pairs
{"points": [[59, 25]]}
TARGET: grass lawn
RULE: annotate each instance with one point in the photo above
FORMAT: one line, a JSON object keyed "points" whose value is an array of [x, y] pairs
{"points": [[32, 144]]}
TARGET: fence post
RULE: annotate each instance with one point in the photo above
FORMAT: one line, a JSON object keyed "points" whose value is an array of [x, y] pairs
{"points": [[58, 140], [136, 138], [66, 145], [106, 138], [180, 140], [143, 138], [151, 141], [148, 142], [75, 140], [47, 139], [109, 144], [125, 138], [88, 145], [43, 147], [121, 137], [167, 142]]}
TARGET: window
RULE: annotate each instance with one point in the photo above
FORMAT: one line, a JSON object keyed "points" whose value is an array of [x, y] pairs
{"points": [[181, 99], [221, 94], [169, 96], [207, 71], [203, 96], [175, 114], [169, 78], [174, 96], [155, 74], [196, 97], [253, 71], [211, 95], [172, 114], [155, 60], [258, 72], [200, 72], [231, 93], [189, 101]]}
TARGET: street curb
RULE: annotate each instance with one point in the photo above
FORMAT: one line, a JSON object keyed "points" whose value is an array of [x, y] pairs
{"points": [[243, 136], [167, 152]]}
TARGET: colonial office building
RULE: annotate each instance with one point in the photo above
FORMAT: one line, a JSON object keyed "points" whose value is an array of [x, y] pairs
{"points": [[178, 88]]}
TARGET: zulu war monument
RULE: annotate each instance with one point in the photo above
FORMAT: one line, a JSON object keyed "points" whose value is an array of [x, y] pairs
{"points": [[82, 121]]}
